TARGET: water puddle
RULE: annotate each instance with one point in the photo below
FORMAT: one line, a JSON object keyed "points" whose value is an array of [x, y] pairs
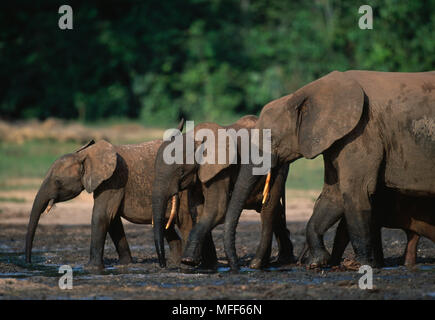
{"points": [[427, 267], [16, 275]]}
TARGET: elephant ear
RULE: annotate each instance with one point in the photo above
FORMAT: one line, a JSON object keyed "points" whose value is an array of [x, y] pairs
{"points": [[90, 143], [99, 163], [208, 171], [328, 109]]}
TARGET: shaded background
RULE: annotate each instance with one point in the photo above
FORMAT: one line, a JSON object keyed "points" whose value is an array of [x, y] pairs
{"points": [[155, 61], [148, 63]]}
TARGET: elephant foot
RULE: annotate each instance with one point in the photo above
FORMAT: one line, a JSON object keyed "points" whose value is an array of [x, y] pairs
{"points": [[409, 262], [364, 260], [334, 261], [125, 260], [191, 256], [319, 260], [209, 263], [174, 261], [284, 259], [190, 261], [94, 267], [256, 263], [207, 267]]}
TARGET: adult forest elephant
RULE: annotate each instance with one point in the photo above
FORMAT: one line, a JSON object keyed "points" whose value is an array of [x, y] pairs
{"points": [[210, 185], [372, 128], [120, 178]]}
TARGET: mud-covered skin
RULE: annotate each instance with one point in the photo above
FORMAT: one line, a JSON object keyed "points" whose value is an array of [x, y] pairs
{"points": [[414, 215], [372, 128], [213, 184], [121, 179], [68, 244]]}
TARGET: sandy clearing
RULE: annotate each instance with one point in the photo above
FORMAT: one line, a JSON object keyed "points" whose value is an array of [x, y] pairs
{"points": [[79, 210]]}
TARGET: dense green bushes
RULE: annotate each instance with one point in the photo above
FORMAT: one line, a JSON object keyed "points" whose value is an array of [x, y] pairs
{"points": [[205, 60]]}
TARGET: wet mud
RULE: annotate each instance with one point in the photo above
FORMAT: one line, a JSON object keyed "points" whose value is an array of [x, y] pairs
{"points": [[57, 245]]}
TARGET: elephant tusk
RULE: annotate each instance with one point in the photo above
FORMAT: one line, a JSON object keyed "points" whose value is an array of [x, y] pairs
{"points": [[173, 211], [50, 205], [266, 189]]}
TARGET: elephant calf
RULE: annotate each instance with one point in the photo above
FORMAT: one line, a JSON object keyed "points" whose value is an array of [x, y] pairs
{"points": [[212, 185], [121, 179], [394, 210]]}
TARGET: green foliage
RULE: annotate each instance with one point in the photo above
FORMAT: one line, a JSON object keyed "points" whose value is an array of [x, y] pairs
{"points": [[204, 60], [31, 159], [306, 174]]}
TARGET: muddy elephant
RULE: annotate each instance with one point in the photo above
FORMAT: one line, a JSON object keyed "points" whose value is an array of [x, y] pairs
{"points": [[120, 178], [211, 185], [374, 129], [414, 215]]}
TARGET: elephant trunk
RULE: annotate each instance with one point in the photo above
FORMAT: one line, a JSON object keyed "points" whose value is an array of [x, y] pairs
{"points": [[41, 202], [243, 187], [159, 204]]}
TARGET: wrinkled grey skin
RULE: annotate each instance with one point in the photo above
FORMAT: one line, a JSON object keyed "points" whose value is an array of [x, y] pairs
{"points": [[211, 186], [372, 128], [121, 179]]}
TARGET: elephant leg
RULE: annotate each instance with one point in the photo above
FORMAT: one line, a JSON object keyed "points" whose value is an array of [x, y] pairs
{"points": [[106, 204], [175, 245], [302, 254], [341, 240], [377, 246], [410, 255], [358, 217], [208, 254], [357, 185], [282, 234], [116, 232], [100, 225], [195, 242], [269, 211], [327, 211], [215, 205], [265, 246]]}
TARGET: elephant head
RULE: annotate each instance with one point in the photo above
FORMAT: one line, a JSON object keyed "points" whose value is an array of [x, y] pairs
{"points": [[302, 124], [86, 169], [171, 178]]}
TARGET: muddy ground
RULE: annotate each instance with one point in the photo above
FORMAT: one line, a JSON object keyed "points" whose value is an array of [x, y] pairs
{"points": [[63, 238]]}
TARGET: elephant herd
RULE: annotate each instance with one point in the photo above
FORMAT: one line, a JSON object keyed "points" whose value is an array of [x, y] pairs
{"points": [[375, 131]]}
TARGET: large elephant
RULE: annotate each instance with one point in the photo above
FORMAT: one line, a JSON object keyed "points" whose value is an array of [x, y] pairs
{"points": [[120, 178], [211, 185], [372, 128]]}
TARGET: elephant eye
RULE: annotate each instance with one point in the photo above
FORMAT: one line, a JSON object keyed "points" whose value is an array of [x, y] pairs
{"points": [[58, 183]]}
